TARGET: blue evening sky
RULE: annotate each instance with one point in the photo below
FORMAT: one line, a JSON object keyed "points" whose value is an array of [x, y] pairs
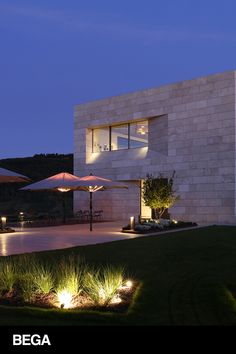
{"points": [[55, 54]]}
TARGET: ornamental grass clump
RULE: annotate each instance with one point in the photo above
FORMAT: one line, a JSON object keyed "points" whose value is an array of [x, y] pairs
{"points": [[33, 275], [69, 275], [28, 276], [102, 285], [43, 279], [26, 287], [7, 275]]}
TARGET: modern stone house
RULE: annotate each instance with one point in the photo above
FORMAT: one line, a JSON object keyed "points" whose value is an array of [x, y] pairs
{"points": [[189, 127]]}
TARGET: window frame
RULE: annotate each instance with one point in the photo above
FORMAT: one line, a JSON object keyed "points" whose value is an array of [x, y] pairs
{"points": [[110, 136]]}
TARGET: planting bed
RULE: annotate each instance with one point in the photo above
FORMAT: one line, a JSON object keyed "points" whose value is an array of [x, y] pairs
{"points": [[6, 230], [67, 284], [152, 226]]}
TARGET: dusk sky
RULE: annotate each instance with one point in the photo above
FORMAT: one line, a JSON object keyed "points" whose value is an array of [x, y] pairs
{"points": [[56, 54]]}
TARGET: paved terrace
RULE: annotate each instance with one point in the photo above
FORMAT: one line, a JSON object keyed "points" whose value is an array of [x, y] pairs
{"points": [[57, 237]]}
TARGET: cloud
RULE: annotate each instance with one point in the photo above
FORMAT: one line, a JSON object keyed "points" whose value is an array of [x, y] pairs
{"points": [[82, 24]]}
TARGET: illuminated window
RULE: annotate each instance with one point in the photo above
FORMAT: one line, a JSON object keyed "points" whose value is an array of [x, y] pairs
{"points": [[101, 138], [120, 137], [138, 134]]}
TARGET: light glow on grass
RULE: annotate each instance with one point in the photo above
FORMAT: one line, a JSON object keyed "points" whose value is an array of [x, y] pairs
{"points": [[102, 295], [68, 281], [102, 285], [65, 299], [127, 285], [175, 221], [116, 300]]}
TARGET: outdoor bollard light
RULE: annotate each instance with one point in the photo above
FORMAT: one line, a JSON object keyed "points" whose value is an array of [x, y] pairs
{"points": [[132, 222], [3, 222]]}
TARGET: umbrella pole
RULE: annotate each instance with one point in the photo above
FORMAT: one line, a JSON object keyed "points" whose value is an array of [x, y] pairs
{"points": [[64, 207], [91, 210]]}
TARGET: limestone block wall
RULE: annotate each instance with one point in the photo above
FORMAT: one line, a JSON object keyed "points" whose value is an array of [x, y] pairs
{"points": [[158, 134], [191, 130]]}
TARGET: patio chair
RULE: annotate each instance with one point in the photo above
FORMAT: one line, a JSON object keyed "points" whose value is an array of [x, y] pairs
{"points": [[78, 216], [86, 215], [97, 215]]}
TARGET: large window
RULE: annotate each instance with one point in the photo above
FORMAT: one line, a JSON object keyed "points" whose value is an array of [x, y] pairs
{"points": [[138, 134], [119, 137], [101, 139]]}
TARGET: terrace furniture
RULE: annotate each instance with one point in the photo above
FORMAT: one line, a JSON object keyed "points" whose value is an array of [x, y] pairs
{"points": [[86, 215], [78, 216], [97, 215]]}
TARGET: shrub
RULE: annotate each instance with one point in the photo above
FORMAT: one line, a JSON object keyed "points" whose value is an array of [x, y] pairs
{"points": [[142, 228], [158, 193]]}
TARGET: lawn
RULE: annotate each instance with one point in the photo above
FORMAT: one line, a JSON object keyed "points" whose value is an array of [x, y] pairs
{"points": [[186, 278]]}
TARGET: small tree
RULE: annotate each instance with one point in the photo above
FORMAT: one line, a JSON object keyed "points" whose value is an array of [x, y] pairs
{"points": [[158, 193]]}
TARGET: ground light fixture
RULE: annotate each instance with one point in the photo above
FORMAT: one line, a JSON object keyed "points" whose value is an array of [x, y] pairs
{"points": [[128, 284], [116, 299], [132, 222], [65, 299], [3, 222]]}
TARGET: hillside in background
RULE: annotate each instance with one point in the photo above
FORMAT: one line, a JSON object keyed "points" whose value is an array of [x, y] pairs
{"points": [[38, 167]]}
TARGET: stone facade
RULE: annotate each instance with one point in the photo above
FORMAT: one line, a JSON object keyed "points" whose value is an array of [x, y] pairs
{"points": [[192, 130]]}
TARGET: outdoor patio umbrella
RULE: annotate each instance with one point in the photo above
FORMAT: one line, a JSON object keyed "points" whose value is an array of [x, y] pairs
{"points": [[93, 184], [7, 176], [62, 182]]}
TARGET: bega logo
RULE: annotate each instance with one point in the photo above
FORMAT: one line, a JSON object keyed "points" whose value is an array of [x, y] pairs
{"points": [[31, 339]]}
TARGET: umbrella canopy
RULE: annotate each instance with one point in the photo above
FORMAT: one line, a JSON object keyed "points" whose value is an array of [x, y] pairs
{"points": [[62, 182], [93, 184], [7, 176]]}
